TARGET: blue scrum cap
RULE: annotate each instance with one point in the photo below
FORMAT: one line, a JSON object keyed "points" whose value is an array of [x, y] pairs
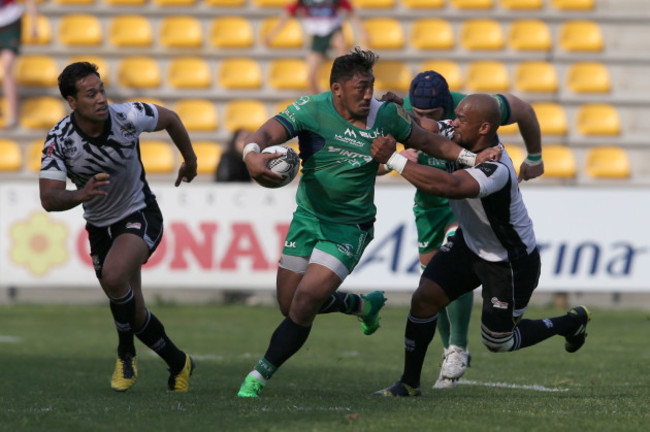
{"points": [[430, 90]]}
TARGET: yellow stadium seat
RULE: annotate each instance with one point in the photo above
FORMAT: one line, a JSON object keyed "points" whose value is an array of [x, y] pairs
{"points": [[41, 112], [290, 36], [423, 4], [471, 4], [36, 70], [607, 162], [392, 75], [516, 154], [287, 74], [139, 72], [100, 62], [178, 3], [581, 35], [245, 114], [598, 119], [158, 157], [181, 32], [34, 155], [384, 33], [559, 161], [448, 69], [536, 76], [240, 73], [573, 4], [487, 76], [271, 3], [324, 74], [225, 3], [3, 111], [588, 77], [231, 32], [125, 2], [552, 118], [521, 4], [208, 154], [510, 129], [130, 31], [12, 155], [374, 4], [189, 72], [197, 114], [481, 34], [43, 30], [529, 35], [282, 105], [432, 34], [80, 29]]}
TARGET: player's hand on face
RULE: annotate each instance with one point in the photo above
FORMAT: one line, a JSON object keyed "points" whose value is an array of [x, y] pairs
{"points": [[186, 172], [489, 154], [391, 97], [258, 169], [528, 172], [382, 148]]}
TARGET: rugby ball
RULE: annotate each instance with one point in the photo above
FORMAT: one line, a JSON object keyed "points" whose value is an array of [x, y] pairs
{"points": [[286, 165]]}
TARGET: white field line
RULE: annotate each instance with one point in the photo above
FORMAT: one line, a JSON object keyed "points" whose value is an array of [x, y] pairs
{"points": [[534, 387]]}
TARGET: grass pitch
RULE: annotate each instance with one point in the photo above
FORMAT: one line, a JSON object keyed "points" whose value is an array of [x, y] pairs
{"points": [[56, 363]]}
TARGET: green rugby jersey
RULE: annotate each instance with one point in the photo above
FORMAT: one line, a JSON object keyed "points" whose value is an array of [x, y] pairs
{"points": [[425, 200], [338, 171]]}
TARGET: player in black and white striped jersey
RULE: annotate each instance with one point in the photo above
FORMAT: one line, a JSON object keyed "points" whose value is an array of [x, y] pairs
{"points": [[97, 147], [494, 247]]}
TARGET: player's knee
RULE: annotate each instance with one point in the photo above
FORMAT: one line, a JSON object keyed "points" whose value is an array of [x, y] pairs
{"points": [[497, 341]]}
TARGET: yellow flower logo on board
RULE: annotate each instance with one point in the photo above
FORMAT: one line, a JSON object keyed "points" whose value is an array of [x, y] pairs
{"points": [[39, 243]]}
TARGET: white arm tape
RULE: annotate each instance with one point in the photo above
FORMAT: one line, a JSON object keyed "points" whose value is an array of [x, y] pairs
{"points": [[250, 147], [397, 162], [466, 158]]}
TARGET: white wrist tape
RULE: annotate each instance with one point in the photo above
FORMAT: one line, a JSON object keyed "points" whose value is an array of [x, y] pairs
{"points": [[533, 159], [466, 158], [387, 168], [250, 147], [397, 162]]}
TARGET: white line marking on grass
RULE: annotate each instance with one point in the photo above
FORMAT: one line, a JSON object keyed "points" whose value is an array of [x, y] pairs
{"points": [[533, 387], [10, 339]]}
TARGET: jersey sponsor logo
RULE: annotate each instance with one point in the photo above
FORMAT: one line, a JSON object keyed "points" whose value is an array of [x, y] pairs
{"points": [[350, 132], [291, 245], [300, 101], [497, 304], [486, 168], [375, 133], [50, 148], [134, 225], [352, 157], [128, 130], [349, 140], [345, 249], [69, 149], [423, 244]]}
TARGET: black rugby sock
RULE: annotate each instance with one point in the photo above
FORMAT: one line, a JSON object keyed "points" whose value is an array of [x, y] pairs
{"points": [[123, 310], [417, 337], [341, 302], [153, 335], [286, 340]]}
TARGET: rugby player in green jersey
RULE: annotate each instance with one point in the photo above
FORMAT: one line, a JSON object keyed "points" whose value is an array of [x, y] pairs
{"points": [[333, 222], [430, 99]]}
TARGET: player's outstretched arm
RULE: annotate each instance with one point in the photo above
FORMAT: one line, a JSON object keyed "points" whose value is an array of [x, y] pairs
{"points": [[171, 122], [524, 115], [430, 180]]}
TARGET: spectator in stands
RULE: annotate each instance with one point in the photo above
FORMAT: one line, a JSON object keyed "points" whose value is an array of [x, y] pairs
{"points": [[322, 21], [494, 247], [96, 147], [231, 166], [11, 13], [334, 219], [430, 100]]}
